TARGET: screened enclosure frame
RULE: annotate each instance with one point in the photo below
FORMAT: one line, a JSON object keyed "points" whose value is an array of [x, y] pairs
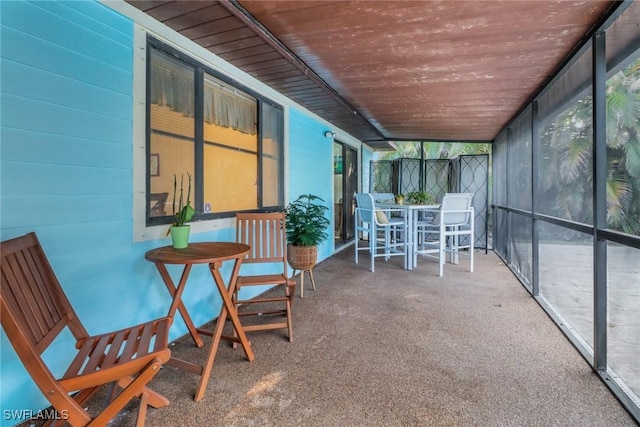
{"points": [[522, 225]]}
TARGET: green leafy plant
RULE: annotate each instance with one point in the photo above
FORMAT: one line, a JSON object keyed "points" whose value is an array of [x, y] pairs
{"points": [[306, 221], [185, 212], [420, 197]]}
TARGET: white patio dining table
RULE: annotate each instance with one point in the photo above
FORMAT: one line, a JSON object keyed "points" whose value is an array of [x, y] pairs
{"points": [[411, 212]]}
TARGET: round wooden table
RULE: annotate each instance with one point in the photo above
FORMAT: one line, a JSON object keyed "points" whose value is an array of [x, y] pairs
{"points": [[213, 254]]}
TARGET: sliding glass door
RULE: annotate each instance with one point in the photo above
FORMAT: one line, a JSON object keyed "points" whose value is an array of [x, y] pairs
{"points": [[345, 185]]}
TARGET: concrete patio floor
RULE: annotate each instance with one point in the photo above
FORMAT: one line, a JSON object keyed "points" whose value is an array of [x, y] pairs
{"points": [[397, 348]]}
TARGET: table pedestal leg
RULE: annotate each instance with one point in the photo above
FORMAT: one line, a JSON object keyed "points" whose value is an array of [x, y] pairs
{"points": [[227, 310], [177, 304], [411, 237]]}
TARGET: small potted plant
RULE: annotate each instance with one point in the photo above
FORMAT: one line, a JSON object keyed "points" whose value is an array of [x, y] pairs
{"points": [[184, 213], [306, 229], [420, 198]]}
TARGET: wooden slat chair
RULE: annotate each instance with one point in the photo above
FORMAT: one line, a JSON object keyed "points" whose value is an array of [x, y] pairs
{"points": [[266, 234], [34, 310]]}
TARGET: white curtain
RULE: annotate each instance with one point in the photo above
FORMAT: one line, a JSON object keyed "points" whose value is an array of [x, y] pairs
{"points": [[172, 86], [226, 109]]}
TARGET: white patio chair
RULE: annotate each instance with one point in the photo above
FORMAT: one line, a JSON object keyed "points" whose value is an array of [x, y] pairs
{"points": [[383, 197], [442, 234], [384, 232]]}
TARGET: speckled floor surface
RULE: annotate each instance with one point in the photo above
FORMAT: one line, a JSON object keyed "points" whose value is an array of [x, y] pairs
{"points": [[397, 348]]}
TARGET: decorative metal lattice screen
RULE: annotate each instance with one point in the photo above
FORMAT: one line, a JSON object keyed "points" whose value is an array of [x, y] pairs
{"points": [[436, 177], [381, 180], [409, 175], [464, 174], [470, 174]]}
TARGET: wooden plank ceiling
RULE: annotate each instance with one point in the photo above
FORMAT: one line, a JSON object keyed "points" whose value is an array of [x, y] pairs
{"points": [[393, 70]]}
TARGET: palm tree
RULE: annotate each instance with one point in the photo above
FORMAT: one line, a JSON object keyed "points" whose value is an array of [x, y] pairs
{"points": [[566, 175], [434, 150], [623, 150]]}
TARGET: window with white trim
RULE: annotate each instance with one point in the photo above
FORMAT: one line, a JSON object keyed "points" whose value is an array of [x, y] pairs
{"points": [[204, 125]]}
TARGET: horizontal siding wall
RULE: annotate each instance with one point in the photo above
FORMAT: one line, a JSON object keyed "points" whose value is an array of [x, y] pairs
{"points": [[66, 173], [311, 166], [66, 164], [67, 168]]}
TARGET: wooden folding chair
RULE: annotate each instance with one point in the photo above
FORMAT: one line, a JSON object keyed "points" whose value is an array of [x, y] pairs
{"points": [[34, 310], [266, 234]]}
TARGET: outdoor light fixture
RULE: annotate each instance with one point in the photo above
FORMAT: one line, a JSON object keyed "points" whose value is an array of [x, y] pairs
{"points": [[329, 134]]}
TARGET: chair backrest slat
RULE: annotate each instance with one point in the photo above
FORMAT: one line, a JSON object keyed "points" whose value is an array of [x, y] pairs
{"points": [[16, 292], [32, 294], [265, 233]]}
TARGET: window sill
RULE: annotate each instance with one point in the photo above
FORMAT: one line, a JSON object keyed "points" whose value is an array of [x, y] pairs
{"points": [[157, 232]]}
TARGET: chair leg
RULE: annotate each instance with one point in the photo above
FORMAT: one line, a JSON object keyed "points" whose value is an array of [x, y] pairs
{"points": [[291, 289], [372, 249], [135, 388], [442, 254], [112, 393], [356, 246], [455, 258], [142, 410], [387, 242], [234, 333], [81, 415], [471, 244], [289, 322], [154, 399]]}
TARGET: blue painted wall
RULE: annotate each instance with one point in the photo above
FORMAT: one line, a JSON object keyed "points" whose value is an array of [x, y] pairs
{"points": [[311, 165], [66, 163], [66, 171]]}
